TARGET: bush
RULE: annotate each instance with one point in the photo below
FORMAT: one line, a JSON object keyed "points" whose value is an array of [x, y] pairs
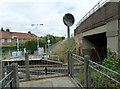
{"points": [[112, 62]]}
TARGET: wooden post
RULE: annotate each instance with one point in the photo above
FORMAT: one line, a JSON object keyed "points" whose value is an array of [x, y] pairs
{"points": [[14, 67], [87, 82], [27, 67]]}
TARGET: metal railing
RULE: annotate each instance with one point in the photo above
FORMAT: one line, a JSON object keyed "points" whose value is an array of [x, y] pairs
{"points": [[44, 65], [91, 74], [10, 79], [6, 81], [94, 9]]}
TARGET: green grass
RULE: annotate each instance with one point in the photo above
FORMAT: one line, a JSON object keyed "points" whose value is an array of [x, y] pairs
{"points": [[62, 47]]}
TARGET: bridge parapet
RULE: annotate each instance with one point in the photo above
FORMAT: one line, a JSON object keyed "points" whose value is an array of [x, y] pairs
{"points": [[98, 16]]}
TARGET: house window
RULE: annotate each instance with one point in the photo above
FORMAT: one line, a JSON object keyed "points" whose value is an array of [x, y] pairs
{"points": [[9, 40], [2, 40]]}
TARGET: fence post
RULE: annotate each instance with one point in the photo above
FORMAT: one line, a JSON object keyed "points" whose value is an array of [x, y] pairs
{"points": [[72, 64], [87, 82], [1, 70], [27, 67], [14, 67]]}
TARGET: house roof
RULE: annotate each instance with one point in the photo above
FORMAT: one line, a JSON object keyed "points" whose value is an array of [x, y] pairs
{"points": [[20, 35]]}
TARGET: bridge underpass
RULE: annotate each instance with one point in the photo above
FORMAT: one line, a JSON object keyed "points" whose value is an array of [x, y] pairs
{"points": [[97, 46], [99, 29]]}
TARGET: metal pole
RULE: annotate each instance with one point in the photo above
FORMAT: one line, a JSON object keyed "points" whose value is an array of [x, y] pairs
{"points": [[37, 44], [17, 45], [37, 39], [68, 32], [48, 43]]}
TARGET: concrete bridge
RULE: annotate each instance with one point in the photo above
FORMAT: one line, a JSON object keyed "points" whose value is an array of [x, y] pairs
{"points": [[98, 30]]}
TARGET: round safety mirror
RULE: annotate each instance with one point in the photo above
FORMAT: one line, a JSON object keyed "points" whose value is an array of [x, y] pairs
{"points": [[68, 19]]}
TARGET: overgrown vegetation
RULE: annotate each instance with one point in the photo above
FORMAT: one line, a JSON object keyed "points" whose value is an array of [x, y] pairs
{"points": [[112, 62], [62, 47]]}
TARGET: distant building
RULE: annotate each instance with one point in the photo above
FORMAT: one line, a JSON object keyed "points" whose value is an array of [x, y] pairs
{"points": [[9, 38]]}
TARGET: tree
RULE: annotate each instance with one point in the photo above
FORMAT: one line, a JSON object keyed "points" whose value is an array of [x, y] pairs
{"points": [[30, 45]]}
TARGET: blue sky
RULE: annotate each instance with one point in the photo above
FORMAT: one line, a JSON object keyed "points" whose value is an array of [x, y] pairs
{"points": [[18, 15]]}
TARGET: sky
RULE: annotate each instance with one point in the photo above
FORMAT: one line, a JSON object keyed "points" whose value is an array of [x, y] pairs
{"points": [[18, 15]]}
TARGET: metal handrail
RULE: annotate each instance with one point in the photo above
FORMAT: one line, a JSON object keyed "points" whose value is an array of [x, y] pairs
{"points": [[6, 76], [105, 75], [94, 9], [1, 81], [104, 67], [92, 68], [79, 58]]}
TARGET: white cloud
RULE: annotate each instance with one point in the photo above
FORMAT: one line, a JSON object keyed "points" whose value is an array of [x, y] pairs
{"points": [[18, 15]]}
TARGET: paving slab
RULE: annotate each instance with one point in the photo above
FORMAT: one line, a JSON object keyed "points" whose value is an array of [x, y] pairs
{"points": [[50, 82]]}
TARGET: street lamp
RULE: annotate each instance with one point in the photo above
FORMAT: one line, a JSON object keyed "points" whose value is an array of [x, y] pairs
{"points": [[52, 39], [48, 41], [36, 26], [15, 37], [69, 20]]}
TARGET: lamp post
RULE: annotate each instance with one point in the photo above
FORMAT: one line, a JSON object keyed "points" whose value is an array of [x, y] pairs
{"points": [[48, 41], [36, 26], [17, 41], [69, 20], [52, 39]]}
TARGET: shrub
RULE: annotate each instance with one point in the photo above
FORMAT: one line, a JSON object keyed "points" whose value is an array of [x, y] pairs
{"points": [[112, 62]]}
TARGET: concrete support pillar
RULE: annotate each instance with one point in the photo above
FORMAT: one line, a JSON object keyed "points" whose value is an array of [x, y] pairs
{"points": [[118, 38], [113, 36]]}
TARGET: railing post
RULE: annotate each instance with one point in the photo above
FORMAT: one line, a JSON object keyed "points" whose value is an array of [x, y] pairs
{"points": [[14, 67], [69, 63], [1, 70], [87, 82], [72, 65], [27, 67], [45, 70]]}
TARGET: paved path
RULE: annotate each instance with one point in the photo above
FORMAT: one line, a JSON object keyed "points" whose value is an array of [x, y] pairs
{"points": [[49, 82]]}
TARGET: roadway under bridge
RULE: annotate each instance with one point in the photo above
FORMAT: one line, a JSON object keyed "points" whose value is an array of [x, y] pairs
{"points": [[99, 30]]}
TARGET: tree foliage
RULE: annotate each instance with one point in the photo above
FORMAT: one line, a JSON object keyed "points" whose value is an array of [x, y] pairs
{"points": [[30, 45]]}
